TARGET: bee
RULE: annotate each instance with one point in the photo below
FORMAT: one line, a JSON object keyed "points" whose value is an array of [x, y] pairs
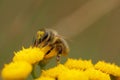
{"points": [[56, 44]]}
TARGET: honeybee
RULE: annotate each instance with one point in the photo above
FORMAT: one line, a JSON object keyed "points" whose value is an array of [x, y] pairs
{"points": [[56, 44]]}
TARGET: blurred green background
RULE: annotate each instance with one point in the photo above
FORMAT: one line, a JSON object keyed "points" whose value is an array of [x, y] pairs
{"points": [[91, 27]]}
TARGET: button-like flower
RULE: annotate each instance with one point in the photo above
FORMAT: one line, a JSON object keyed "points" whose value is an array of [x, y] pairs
{"points": [[30, 55], [96, 75], [18, 70], [72, 75], [54, 72], [78, 64], [108, 68], [45, 78]]}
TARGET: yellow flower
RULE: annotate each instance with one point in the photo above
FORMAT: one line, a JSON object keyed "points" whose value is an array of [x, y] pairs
{"points": [[72, 75], [45, 78], [96, 75], [78, 64], [54, 72], [79, 69], [31, 55], [18, 70], [108, 68]]}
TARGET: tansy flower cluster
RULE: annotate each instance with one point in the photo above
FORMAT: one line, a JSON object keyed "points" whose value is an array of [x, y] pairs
{"points": [[22, 63], [78, 69], [73, 69]]}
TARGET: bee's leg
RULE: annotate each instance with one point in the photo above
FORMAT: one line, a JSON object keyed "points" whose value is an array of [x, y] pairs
{"points": [[59, 54], [58, 58]]}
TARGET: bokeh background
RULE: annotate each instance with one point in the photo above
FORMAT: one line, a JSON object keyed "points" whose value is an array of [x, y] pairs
{"points": [[91, 27]]}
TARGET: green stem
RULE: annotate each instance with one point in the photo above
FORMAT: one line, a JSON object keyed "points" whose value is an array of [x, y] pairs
{"points": [[33, 72]]}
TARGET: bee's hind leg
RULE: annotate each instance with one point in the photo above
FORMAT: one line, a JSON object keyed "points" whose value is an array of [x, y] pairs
{"points": [[59, 55], [58, 58]]}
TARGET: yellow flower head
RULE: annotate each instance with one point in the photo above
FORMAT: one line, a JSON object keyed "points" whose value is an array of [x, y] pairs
{"points": [[78, 64], [96, 75], [31, 55], [16, 70], [54, 72], [72, 75], [108, 68], [45, 78]]}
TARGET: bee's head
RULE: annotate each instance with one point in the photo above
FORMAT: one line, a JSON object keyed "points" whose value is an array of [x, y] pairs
{"points": [[41, 35]]}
